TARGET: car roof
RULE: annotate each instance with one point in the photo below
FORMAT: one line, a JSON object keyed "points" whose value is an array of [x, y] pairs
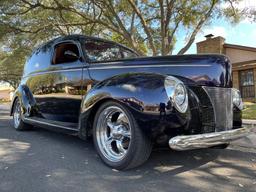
{"points": [[79, 37]]}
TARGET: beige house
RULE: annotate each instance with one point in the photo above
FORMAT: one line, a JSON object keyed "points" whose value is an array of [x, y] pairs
{"points": [[243, 61], [6, 91]]}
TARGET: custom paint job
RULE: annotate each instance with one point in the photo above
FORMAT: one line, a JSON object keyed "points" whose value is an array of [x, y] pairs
{"points": [[68, 95]]}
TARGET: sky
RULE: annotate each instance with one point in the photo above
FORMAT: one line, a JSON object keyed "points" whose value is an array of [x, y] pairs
{"points": [[243, 33]]}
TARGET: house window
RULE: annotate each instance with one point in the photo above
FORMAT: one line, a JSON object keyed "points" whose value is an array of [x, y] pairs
{"points": [[247, 83]]}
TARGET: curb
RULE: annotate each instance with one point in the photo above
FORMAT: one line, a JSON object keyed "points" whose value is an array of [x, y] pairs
{"points": [[249, 121], [248, 142]]}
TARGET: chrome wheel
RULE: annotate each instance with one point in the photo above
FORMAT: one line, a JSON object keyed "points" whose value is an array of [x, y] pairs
{"points": [[17, 114], [113, 133]]}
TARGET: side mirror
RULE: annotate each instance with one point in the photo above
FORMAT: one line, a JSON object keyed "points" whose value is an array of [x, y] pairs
{"points": [[71, 55]]}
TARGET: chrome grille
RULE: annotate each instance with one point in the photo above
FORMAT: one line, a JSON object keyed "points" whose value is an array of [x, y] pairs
{"points": [[221, 99], [206, 110]]}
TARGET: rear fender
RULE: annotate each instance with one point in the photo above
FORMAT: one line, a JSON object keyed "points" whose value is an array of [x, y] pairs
{"points": [[26, 99]]}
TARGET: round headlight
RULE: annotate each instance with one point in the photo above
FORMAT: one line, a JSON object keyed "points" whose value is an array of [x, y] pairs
{"points": [[180, 94], [237, 100], [177, 93]]}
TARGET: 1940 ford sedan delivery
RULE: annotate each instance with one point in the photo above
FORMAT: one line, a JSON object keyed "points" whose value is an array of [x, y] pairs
{"points": [[99, 88]]}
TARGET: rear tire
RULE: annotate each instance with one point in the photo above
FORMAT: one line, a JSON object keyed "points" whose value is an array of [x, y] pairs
{"points": [[119, 141], [18, 123]]}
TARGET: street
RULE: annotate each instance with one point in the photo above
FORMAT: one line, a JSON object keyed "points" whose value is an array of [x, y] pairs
{"points": [[40, 160]]}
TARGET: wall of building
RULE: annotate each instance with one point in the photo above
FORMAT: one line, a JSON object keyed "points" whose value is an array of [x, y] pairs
{"points": [[235, 78], [5, 91], [237, 55], [211, 45]]}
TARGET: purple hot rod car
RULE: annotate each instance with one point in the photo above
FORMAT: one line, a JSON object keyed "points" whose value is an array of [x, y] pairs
{"points": [[128, 104]]}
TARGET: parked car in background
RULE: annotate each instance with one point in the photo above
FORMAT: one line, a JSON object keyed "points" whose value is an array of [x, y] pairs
{"points": [[99, 88]]}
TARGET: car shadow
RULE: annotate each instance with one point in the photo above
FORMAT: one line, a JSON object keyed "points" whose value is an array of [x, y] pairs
{"points": [[56, 161]]}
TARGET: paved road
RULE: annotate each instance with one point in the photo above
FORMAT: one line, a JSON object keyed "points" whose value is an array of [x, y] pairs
{"points": [[40, 160]]}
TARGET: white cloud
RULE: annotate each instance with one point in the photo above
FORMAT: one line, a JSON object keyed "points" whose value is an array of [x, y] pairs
{"points": [[235, 34], [244, 4], [129, 87], [215, 30]]}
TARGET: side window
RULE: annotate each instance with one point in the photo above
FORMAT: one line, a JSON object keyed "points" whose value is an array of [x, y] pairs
{"points": [[65, 53], [101, 51]]}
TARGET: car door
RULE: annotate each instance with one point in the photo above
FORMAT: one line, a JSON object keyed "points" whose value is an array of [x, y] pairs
{"points": [[61, 86]]}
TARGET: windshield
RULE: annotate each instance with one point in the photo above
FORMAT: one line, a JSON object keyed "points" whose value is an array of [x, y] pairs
{"points": [[98, 51]]}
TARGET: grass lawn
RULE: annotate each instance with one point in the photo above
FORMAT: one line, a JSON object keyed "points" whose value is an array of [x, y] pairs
{"points": [[249, 111]]}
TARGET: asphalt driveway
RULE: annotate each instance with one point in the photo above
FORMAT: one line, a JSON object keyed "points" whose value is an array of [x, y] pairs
{"points": [[40, 160]]}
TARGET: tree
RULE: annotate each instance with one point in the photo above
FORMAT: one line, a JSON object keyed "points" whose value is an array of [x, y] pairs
{"points": [[150, 27], [11, 65], [13, 52]]}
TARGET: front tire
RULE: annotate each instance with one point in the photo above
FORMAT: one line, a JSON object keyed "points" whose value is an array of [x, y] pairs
{"points": [[18, 123], [119, 141]]}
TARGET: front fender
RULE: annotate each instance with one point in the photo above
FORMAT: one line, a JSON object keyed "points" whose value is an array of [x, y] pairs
{"points": [[142, 93]]}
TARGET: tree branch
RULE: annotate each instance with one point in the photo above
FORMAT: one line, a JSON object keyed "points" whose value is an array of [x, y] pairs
{"points": [[163, 36], [23, 12], [170, 6], [232, 6], [145, 27], [120, 23], [132, 24], [197, 28], [171, 36]]}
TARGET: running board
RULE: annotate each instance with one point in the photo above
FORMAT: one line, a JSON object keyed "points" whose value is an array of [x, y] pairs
{"points": [[49, 123]]}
